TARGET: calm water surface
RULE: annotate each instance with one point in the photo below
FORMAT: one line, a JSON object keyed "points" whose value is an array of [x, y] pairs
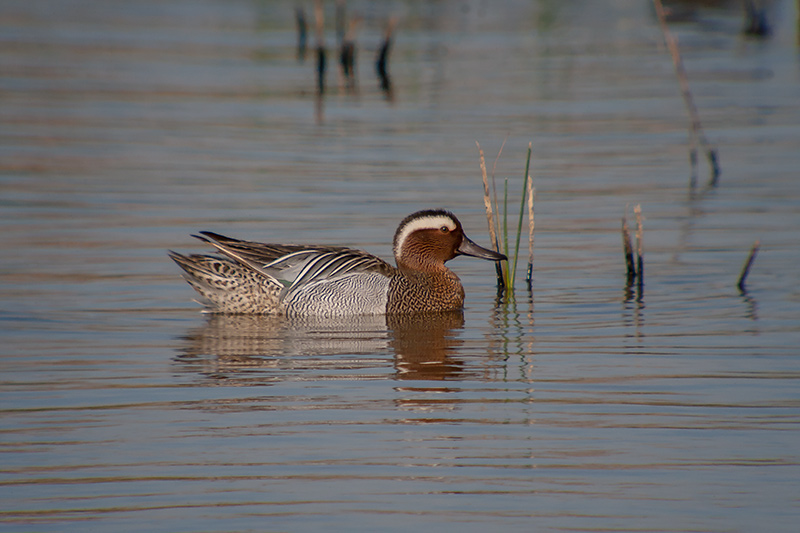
{"points": [[577, 407]]}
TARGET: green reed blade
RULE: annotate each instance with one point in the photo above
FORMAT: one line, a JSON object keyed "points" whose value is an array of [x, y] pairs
{"points": [[509, 286], [521, 212]]}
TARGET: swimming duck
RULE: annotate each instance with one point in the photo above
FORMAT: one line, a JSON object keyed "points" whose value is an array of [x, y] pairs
{"points": [[301, 280]]}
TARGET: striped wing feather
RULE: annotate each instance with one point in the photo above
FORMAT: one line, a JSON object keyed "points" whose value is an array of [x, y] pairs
{"points": [[297, 266]]}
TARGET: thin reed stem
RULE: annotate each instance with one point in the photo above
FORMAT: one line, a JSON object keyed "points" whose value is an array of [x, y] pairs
{"points": [[302, 33], [628, 248], [487, 200], [531, 226], [696, 128], [494, 186], [639, 247], [521, 212], [382, 60], [487, 203], [319, 30], [747, 264], [510, 280]]}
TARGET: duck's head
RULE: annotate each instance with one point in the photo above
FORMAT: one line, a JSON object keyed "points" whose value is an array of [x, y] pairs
{"points": [[426, 239]]}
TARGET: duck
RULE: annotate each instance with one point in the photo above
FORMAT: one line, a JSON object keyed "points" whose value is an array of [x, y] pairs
{"points": [[248, 277]]}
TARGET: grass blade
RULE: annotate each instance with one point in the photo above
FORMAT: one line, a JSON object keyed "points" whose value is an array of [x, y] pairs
{"points": [[521, 213]]}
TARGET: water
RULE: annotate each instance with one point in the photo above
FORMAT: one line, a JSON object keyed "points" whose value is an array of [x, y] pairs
{"points": [[128, 126]]}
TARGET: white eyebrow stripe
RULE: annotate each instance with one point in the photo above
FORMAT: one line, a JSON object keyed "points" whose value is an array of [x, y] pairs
{"points": [[429, 222]]}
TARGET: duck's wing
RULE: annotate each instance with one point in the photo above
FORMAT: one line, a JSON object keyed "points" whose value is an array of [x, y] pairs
{"points": [[298, 266], [258, 252]]}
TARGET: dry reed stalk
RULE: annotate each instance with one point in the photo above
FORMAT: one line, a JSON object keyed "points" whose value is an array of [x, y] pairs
{"points": [[347, 54], [531, 194], [494, 184], [639, 245], [341, 20], [319, 23], [487, 203], [381, 63], [487, 200], [628, 248], [302, 33], [696, 128], [505, 226], [747, 265]]}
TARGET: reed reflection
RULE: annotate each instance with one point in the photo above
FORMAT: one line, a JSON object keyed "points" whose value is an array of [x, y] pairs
{"points": [[512, 348], [750, 305]]}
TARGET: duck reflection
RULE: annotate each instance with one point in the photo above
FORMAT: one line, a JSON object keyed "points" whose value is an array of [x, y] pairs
{"points": [[242, 338], [234, 338], [231, 347], [424, 345]]}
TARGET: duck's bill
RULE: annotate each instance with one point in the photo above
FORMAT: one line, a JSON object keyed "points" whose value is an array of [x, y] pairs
{"points": [[473, 250]]}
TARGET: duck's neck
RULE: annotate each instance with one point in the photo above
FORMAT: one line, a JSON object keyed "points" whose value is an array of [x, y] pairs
{"points": [[415, 290]]}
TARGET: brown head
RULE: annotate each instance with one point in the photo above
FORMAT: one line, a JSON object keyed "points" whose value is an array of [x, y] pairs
{"points": [[425, 240]]}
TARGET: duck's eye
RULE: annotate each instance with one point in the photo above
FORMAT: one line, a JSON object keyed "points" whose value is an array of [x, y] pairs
{"points": [[444, 229]]}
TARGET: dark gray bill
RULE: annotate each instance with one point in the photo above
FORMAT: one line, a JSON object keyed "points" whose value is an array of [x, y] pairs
{"points": [[470, 248]]}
